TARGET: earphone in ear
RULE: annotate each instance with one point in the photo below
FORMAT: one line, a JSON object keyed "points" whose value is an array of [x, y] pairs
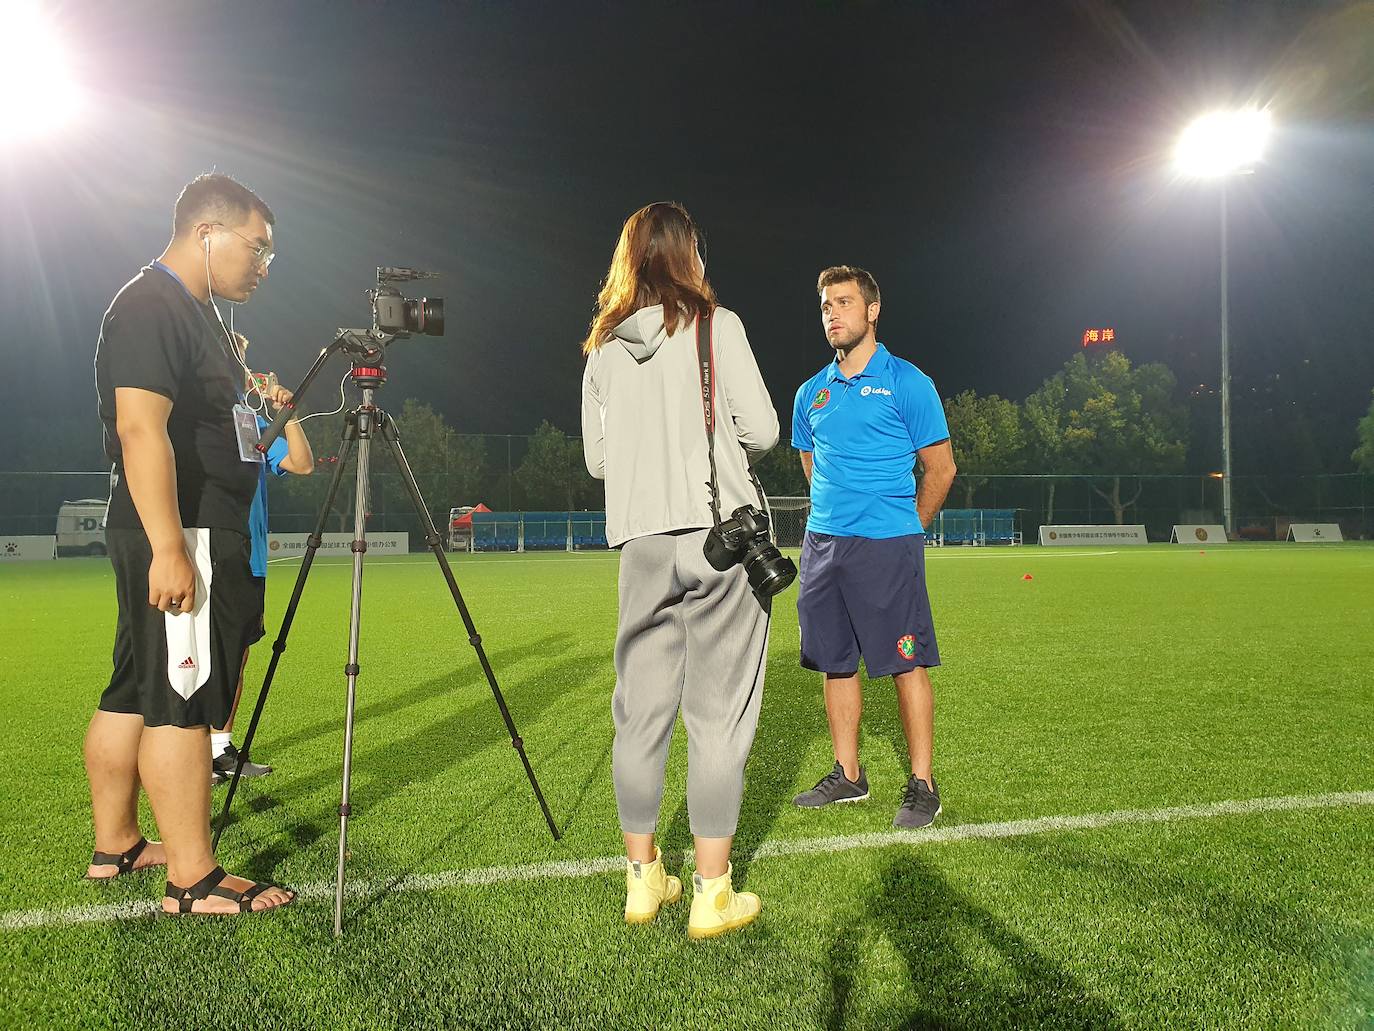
{"points": [[206, 238]]}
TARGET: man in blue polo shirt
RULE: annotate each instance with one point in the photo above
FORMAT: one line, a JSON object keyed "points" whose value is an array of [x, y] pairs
{"points": [[860, 424]]}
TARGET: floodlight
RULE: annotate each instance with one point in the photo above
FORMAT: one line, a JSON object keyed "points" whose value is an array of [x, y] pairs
{"points": [[33, 75], [1223, 143]]}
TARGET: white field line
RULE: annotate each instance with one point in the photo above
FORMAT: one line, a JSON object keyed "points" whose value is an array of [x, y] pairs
{"points": [[572, 868], [419, 557], [1036, 552], [942, 554]]}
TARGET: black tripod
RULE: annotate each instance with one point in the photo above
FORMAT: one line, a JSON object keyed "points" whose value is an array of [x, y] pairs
{"points": [[360, 426]]}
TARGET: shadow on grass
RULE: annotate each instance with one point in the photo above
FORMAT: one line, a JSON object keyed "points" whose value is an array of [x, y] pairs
{"points": [[472, 820], [793, 718], [967, 969], [1224, 905], [598, 777], [394, 765], [468, 671]]}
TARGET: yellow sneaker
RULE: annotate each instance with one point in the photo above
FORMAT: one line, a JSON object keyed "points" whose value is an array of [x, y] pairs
{"points": [[717, 907], [648, 886]]}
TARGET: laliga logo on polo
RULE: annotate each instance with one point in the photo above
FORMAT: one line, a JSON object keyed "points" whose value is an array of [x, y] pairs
{"points": [[874, 390]]}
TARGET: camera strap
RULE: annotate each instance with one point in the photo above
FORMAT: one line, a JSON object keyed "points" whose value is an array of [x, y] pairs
{"points": [[707, 365]]}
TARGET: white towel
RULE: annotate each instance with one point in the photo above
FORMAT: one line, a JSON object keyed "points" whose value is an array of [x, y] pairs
{"points": [[188, 633]]}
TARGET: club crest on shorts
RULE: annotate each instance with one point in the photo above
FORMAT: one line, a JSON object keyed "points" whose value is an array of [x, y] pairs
{"points": [[822, 398], [906, 646]]}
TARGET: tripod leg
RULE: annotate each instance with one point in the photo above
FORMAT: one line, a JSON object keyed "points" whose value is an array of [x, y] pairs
{"points": [[367, 419], [435, 543], [279, 645]]}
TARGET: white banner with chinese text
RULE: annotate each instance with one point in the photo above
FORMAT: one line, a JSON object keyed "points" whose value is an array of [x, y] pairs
{"points": [[292, 545], [1132, 533]]}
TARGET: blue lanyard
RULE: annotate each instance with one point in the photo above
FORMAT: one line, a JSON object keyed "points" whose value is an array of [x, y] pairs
{"points": [[200, 310]]}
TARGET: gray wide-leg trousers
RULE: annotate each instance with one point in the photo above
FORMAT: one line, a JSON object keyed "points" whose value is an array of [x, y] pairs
{"points": [[691, 638]]}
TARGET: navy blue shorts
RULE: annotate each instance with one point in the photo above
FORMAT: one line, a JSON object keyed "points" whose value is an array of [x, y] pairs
{"points": [[866, 597]]}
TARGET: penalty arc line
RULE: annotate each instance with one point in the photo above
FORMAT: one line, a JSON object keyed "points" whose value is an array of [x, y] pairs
{"points": [[574, 868]]}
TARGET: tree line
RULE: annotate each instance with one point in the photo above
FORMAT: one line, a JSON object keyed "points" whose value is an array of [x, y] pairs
{"points": [[1099, 418]]}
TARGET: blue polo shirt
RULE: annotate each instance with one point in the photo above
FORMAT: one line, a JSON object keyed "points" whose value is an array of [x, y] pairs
{"points": [[257, 513], [863, 434]]}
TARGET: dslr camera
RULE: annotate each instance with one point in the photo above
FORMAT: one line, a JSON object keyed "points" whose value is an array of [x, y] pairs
{"points": [[398, 315], [744, 538]]}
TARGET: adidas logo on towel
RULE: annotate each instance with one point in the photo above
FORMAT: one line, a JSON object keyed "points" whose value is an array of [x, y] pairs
{"points": [[187, 663]]}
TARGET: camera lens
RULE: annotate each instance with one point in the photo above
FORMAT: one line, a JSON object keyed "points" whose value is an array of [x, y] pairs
{"points": [[770, 572], [425, 315]]}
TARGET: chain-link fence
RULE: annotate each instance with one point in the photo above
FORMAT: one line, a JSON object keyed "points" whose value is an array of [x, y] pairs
{"points": [[1264, 505]]}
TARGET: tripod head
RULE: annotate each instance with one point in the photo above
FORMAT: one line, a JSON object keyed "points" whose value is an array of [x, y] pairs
{"points": [[367, 348], [364, 347], [367, 344]]}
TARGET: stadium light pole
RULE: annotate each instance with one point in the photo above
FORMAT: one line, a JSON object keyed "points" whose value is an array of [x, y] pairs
{"points": [[1217, 146]]}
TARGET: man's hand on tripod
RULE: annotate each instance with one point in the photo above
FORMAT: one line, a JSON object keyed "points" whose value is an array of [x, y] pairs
{"points": [[172, 581]]}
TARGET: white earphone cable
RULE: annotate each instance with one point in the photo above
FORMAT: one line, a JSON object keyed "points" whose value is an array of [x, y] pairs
{"points": [[251, 387]]}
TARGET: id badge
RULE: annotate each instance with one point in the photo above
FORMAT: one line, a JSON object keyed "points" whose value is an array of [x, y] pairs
{"points": [[246, 429]]}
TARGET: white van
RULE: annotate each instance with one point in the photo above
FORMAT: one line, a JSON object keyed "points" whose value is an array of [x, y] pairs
{"points": [[81, 527]]}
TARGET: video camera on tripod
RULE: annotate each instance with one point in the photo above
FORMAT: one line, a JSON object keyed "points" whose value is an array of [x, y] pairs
{"points": [[394, 316]]}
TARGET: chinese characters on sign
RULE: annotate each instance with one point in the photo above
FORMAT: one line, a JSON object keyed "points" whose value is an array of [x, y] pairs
{"points": [[1098, 336]]}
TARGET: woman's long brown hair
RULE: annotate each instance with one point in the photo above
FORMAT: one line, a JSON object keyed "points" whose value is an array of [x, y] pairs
{"points": [[655, 262]]}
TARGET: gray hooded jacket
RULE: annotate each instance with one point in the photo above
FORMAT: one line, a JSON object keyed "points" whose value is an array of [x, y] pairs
{"points": [[643, 430]]}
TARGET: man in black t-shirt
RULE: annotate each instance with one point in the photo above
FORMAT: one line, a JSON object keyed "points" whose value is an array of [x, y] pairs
{"points": [[167, 374]]}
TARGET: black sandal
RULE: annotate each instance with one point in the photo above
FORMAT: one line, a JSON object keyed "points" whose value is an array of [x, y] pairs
{"points": [[123, 860], [210, 885]]}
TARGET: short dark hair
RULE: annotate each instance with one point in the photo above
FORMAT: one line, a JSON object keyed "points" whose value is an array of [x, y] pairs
{"points": [[223, 198], [868, 286]]}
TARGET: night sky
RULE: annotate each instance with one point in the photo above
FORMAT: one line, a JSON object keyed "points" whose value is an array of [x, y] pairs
{"points": [[1002, 168]]}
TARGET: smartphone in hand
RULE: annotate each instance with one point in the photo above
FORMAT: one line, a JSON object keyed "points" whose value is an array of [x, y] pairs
{"points": [[263, 382]]}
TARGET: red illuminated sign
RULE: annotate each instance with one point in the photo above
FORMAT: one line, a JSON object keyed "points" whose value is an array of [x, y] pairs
{"points": [[1098, 336]]}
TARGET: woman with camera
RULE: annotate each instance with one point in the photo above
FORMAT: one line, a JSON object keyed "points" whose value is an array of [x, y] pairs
{"points": [[690, 636]]}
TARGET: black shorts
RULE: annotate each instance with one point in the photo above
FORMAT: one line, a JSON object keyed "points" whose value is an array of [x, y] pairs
{"points": [[205, 668], [260, 589], [865, 597]]}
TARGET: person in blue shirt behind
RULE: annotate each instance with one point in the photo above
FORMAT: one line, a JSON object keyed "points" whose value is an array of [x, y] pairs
{"points": [[861, 423], [289, 453]]}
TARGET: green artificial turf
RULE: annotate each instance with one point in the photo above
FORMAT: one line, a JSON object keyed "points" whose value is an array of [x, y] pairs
{"points": [[1148, 678]]}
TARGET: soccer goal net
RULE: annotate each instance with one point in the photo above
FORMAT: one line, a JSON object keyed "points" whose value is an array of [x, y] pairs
{"points": [[789, 520]]}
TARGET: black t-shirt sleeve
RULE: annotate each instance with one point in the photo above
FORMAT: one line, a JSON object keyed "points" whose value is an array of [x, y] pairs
{"points": [[142, 348]]}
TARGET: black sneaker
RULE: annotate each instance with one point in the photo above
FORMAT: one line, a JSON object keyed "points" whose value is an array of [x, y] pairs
{"points": [[834, 787], [920, 805], [222, 768]]}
